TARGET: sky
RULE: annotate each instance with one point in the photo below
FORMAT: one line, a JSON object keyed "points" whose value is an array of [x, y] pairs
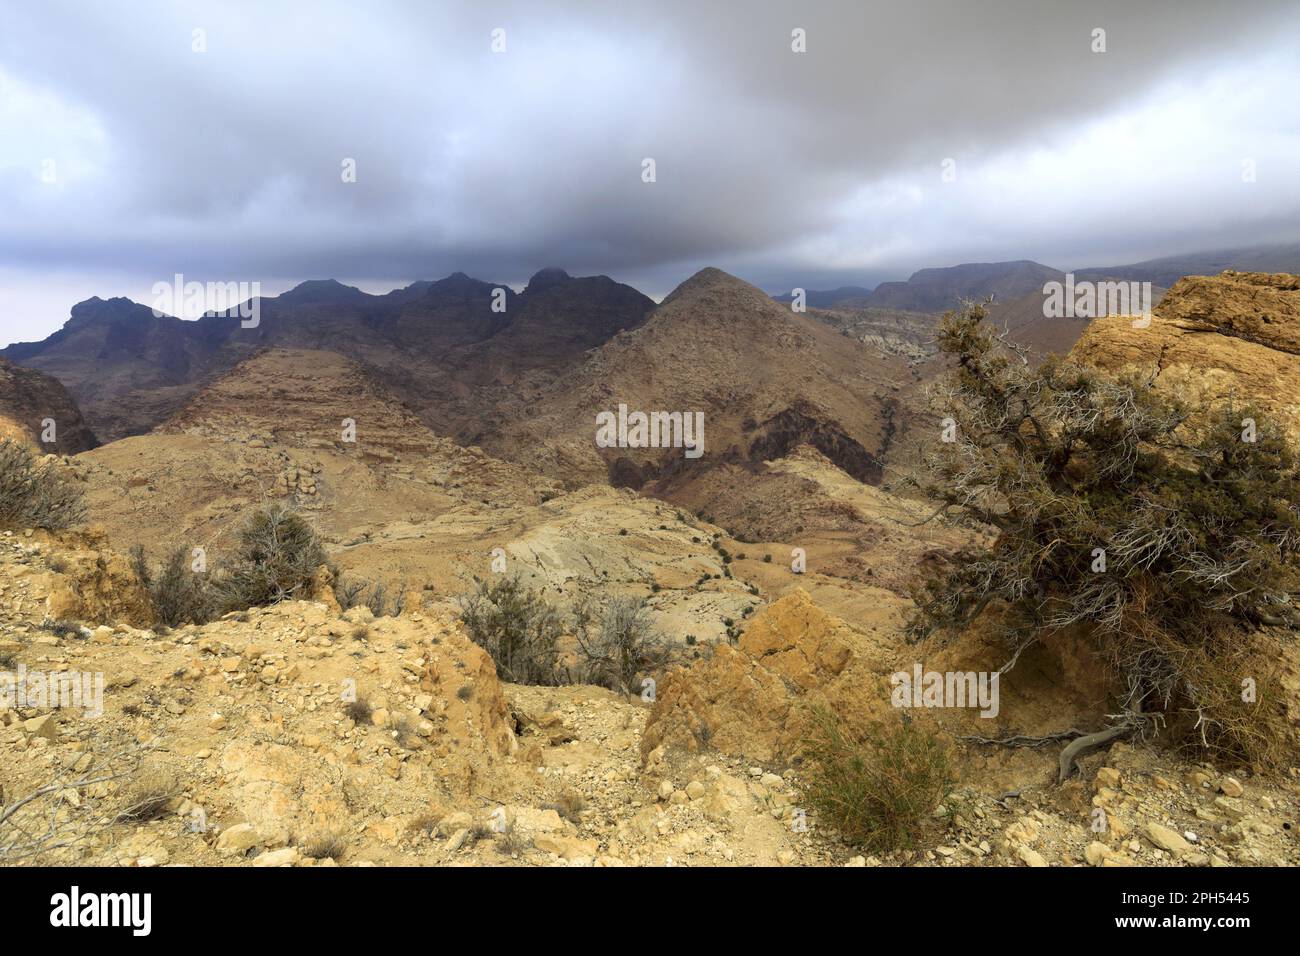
{"points": [[143, 139]]}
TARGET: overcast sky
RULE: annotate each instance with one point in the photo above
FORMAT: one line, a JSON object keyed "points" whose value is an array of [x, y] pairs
{"points": [[126, 156]]}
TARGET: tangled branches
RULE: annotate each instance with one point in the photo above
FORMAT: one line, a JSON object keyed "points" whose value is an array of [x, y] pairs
{"points": [[1167, 536]]}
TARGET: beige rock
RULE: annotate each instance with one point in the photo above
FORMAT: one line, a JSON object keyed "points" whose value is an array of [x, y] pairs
{"points": [[757, 698], [452, 822], [288, 856], [1097, 852], [1108, 777], [565, 847], [535, 820], [1030, 857], [237, 840], [43, 726], [1167, 839]]}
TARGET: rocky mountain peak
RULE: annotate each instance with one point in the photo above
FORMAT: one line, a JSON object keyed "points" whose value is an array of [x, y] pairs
{"points": [[545, 279]]}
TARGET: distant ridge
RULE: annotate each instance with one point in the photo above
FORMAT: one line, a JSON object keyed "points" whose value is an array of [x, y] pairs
{"points": [[434, 342]]}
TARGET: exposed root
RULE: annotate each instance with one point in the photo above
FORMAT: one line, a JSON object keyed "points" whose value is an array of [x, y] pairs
{"points": [[1076, 747]]}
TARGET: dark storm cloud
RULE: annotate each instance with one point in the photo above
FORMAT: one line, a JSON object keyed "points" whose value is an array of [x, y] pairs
{"points": [[777, 165]]}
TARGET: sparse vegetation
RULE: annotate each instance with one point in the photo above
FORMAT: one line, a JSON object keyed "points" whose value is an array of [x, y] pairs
{"points": [[348, 592], [276, 556], [34, 494], [402, 729], [377, 599], [359, 711], [63, 809], [1165, 539], [61, 628], [512, 843], [179, 595], [517, 627], [618, 645], [147, 795], [353, 592], [330, 845], [879, 789]]}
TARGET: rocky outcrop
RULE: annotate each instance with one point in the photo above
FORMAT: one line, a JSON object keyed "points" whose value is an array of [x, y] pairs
{"points": [[756, 699], [1235, 335], [71, 576]]}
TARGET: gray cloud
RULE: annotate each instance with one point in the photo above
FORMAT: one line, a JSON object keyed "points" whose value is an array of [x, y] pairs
{"points": [[819, 168]]}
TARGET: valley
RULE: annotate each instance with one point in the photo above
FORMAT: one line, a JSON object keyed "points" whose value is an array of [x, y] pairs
{"points": [[432, 442]]}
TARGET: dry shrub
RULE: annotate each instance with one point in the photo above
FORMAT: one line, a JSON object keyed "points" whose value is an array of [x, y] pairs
{"points": [[49, 820], [1238, 717], [512, 843], [619, 644], [879, 788], [34, 494], [178, 594], [359, 711], [402, 728], [358, 592], [330, 845], [147, 795]]}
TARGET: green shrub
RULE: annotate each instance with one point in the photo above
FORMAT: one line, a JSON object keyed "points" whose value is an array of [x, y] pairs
{"points": [[878, 789], [33, 494]]}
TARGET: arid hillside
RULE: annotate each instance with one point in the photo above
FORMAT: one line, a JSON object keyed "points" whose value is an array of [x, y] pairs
{"points": [[766, 380], [778, 568], [1234, 336]]}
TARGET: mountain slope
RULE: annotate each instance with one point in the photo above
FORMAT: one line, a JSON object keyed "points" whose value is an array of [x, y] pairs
{"points": [[937, 290], [29, 400], [765, 379], [126, 367], [1167, 270]]}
